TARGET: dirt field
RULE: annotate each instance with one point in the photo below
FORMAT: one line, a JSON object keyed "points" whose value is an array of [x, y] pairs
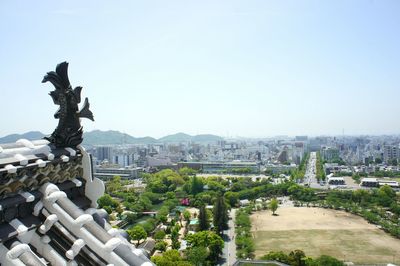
{"points": [[320, 231]]}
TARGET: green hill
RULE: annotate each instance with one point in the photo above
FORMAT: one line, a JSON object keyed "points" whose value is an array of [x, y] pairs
{"points": [[31, 135], [98, 137], [112, 137]]}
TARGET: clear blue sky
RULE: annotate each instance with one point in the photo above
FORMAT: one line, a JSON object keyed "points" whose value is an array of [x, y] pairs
{"points": [[243, 68]]}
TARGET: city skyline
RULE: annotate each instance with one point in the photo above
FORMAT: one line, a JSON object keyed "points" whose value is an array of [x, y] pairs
{"points": [[248, 69], [226, 137]]}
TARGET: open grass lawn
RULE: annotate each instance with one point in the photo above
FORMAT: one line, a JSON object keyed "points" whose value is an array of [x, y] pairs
{"points": [[313, 231]]}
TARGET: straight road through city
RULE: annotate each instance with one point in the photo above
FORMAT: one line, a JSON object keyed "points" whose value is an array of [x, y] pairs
{"points": [[229, 251]]}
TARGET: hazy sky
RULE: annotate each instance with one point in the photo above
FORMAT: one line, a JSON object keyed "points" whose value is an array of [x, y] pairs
{"points": [[243, 68]]}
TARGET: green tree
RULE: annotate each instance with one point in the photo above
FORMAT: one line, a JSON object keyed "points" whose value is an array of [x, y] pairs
{"points": [[145, 202], [386, 195], [148, 226], [159, 235], [137, 233], [197, 255], [108, 209], [196, 185], [187, 216], [107, 200], [297, 258], [220, 213], [175, 237], [276, 255], [161, 246], [209, 240], [186, 171], [170, 258], [325, 260], [273, 205], [114, 185], [232, 198], [203, 219], [130, 217], [162, 214]]}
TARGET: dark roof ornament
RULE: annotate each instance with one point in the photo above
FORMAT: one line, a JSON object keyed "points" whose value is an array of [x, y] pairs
{"points": [[69, 130]]}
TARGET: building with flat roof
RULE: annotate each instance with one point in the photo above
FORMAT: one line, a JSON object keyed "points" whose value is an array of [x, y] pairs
{"points": [[124, 173], [332, 180], [222, 167], [390, 183], [369, 182], [390, 152]]}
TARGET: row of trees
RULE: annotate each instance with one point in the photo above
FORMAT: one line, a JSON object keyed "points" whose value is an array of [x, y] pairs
{"points": [[320, 172], [245, 170], [298, 174], [299, 258], [244, 241], [379, 206]]}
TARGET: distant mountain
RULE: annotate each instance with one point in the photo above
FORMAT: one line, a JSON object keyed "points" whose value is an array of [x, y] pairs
{"points": [[178, 137], [182, 137], [31, 135], [98, 137], [111, 137], [206, 138]]}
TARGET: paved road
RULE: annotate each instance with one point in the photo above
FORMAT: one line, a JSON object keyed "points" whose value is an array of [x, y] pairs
{"points": [[310, 178], [229, 251]]}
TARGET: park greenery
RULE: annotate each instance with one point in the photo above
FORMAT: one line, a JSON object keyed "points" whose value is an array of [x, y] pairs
{"points": [[165, 191], [378, 206], [244, 241], [299, 258], [162, 195]]}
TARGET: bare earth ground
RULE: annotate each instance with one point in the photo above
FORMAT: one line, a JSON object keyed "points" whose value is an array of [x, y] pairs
{"points": [[321, 231]]}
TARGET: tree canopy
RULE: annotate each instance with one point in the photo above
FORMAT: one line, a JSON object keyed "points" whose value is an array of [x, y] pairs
{"points": [[210, 240], [137, 233], [273, 205]]}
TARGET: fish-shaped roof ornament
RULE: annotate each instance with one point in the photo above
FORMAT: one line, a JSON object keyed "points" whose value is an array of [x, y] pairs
{"points": [[69, 130]]}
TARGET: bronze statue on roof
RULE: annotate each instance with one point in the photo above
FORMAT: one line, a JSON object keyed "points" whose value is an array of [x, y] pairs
{"points": [[69, 130]]}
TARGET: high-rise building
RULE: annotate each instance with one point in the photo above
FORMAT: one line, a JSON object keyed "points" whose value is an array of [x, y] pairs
{"points": [[104, 153], [330, 153], [390, 152], [123, 159]]}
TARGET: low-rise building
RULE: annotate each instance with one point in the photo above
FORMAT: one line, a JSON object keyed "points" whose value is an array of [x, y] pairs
{"points": [[124, 173], [336, 181], [220, 167], [279, 168], [369, 182]]}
